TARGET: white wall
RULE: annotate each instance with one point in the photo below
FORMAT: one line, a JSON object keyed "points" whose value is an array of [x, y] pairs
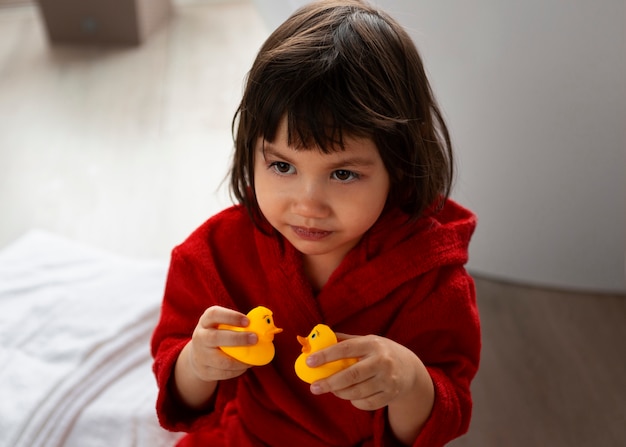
{"points": [[274, 12], [535, 95]]}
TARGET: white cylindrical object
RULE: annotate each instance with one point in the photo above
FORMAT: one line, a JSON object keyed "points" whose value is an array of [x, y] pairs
{"points": [[535, 96]]}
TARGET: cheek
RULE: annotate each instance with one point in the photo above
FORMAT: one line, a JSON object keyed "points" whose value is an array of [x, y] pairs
{"points": [[361, 211], [261, 192], [266, 194]]}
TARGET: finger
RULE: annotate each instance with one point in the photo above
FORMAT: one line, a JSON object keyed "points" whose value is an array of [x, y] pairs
{"points": [[235, 338], [221, 367], [355, 375], [367, 394], [350, 377], [214, 338], [215, 315], [226, 363], [341, 336], [347, 349], [360, 391], [371, 403]]}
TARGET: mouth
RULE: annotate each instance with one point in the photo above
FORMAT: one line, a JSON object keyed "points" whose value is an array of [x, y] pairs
{"points": [[310, 234]]}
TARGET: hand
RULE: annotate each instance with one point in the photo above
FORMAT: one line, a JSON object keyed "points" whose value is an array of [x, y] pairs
{"points": [[205, 359], [385, 371]]}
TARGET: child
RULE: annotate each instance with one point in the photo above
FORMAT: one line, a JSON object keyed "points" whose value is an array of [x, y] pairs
{"points": [[342, 170]]}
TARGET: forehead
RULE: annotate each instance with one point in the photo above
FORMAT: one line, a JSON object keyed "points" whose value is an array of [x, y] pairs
{"points": [[352, 150], [327, 139], [322, 131]]}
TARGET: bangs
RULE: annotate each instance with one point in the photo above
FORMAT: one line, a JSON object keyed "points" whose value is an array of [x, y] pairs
{"points": [[318, 114], [328, 77]]}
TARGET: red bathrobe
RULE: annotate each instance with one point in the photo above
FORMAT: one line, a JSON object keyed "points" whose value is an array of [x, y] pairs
{"points": [[404, 281]]}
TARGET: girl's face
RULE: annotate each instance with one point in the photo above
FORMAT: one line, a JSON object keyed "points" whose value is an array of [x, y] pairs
{"points": [[321, 203]]}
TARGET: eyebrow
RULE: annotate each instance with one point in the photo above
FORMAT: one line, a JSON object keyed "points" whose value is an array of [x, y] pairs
{"points": [[356, 161]]}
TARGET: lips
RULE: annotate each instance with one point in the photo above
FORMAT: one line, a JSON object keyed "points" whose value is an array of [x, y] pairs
{"points": [[310, 234]]}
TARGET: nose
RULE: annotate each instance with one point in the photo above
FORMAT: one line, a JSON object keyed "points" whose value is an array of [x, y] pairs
{"points": [[310, 200]]}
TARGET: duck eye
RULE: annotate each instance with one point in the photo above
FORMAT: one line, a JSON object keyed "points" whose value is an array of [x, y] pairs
{"points": [[268, 320], [313, 336]]}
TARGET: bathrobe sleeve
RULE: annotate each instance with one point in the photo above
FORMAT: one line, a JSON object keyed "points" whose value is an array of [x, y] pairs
{"points": [[187, 295], [453, 355], [448, 343], [194, 283]]}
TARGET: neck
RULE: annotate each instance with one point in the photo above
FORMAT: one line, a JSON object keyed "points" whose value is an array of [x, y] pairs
{"points": [[318, 269]]}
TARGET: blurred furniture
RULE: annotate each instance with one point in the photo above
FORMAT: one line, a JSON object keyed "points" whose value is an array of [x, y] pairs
{"points": [[127, 22]]}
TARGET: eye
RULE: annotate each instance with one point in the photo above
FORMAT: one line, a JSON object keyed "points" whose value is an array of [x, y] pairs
{"points": [[280, 167], [268, 321], [344, 175], [313, 336]]}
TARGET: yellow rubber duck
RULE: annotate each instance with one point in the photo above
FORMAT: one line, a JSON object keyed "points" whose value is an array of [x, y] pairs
{"points": [[320, 337], [262, 324]]}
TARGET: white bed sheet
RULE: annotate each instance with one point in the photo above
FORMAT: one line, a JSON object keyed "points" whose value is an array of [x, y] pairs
{"points": [[75, 325]]}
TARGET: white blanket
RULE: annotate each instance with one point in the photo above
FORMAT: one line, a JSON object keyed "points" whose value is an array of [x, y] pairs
{"points": [[75, 324]]}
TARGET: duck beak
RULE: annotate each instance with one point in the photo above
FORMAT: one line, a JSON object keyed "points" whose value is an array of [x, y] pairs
{"points": [[304, 341], [272, 331]]}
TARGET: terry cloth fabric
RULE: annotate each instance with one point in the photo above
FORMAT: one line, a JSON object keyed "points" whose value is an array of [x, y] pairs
{"points": [[404, 281], [75, 326]]}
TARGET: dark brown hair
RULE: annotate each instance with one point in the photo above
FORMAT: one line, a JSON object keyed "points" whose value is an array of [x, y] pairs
{"points": [[344, 67]]}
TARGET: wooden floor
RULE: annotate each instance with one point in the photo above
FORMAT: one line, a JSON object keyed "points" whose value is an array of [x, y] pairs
{"points": [[553, 370], [126, 149]]}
